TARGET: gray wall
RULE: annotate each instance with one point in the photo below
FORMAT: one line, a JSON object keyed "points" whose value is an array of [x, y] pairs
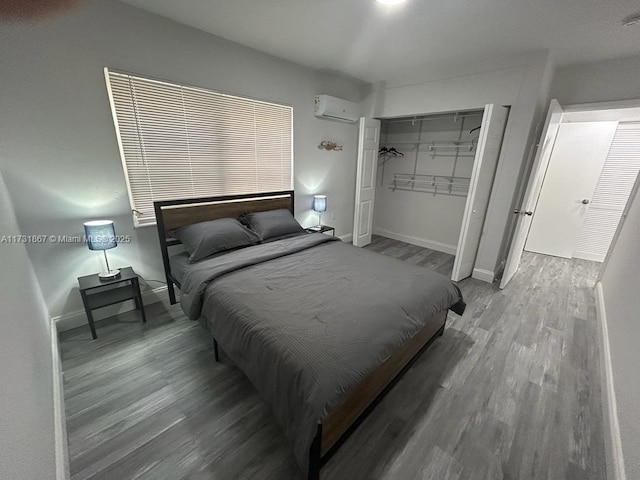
{"points": [[609, 80], [622, 305], [59, 152], [26, 376]]}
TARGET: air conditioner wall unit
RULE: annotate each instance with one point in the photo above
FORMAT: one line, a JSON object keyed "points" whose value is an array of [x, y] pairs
{"points": [[326, 106]]}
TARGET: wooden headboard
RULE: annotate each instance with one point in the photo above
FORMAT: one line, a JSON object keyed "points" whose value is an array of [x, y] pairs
{"points": [[172, 214]]}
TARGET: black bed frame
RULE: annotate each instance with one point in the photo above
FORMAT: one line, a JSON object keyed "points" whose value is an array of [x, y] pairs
{"points": [[232, 206]]}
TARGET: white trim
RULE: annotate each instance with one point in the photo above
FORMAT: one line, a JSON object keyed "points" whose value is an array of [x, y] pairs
{"points": [[79, 318], [613, 446], [484, 275], [613, 105], [348, 238], [59, 416], [70, 320], [421, 242], [594, 257]]}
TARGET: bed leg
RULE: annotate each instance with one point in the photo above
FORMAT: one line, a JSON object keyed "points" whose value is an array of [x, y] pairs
{"points": [[441, 331], [216, 352], [315, 459], [172, 292]]}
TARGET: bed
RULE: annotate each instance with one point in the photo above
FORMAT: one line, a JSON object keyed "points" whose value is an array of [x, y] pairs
{"points": [[321, 328]]}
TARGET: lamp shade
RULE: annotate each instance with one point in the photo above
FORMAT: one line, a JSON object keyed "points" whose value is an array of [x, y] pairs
{"points": [[320, 203], [100, 234]]}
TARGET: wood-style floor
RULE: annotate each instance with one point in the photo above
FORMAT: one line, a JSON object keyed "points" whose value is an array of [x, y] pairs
{"points": [[511, 391]]}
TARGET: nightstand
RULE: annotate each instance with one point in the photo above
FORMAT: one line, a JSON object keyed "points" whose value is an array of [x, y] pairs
{"points": [[321, 229], [98, 293]]}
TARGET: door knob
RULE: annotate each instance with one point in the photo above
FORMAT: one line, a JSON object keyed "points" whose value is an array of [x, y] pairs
{"points": [[585, 202], [520, 212]]}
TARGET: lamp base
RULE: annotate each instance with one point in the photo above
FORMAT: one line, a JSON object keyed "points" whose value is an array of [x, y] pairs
{"points": [[110, 275]]}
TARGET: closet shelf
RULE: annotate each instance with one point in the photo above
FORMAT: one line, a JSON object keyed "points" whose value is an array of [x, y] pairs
{"points": [[433, 145], [436, 184], [469, 146]]}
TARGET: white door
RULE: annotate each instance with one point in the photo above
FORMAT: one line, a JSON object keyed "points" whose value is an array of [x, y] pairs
{"points": [[366, 180], [572, 175], [611, 195], [543, 155], [494, 121]]}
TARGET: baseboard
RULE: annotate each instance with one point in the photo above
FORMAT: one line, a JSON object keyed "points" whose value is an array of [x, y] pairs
{"points": [[79, 318], [59, 415], [484, 275], [348, 238], [613, 441], [421, 242], [589, 256]]}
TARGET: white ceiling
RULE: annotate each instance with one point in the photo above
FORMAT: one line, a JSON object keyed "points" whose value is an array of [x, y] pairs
{"points": [[373, 42]]}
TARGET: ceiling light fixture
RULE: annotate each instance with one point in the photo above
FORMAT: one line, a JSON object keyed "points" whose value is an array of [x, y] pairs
{"points": [[390, 2], [631, 20]]}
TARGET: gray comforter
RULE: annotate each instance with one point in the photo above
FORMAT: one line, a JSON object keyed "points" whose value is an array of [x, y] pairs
{"points": [[307, 318]]}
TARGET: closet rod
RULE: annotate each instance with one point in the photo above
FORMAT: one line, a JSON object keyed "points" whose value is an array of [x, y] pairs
{"points": [[468, 145], [434, 154], [439, 144]]}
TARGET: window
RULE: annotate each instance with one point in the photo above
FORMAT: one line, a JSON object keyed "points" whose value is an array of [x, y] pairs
{"points": [[185, 142]]}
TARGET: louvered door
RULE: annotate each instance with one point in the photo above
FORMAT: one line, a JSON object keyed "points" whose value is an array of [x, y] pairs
{"points": [[612, 192]]}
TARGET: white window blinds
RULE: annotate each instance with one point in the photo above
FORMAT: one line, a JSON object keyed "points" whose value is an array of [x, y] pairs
{"points": [[185, 142]]}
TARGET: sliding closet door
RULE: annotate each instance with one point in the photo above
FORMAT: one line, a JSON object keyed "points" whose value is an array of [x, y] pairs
{"points": [[494, 122], [366, 181]]}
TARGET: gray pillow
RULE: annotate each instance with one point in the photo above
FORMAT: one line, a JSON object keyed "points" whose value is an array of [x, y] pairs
{"points": [[206, 238], [272, 223]]}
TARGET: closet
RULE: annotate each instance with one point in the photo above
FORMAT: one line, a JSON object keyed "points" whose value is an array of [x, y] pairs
{"points": [[433, 179]]}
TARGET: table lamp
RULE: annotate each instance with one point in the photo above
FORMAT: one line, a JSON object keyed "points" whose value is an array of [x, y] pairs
{"points": [[320, 205], [101, 235]]}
